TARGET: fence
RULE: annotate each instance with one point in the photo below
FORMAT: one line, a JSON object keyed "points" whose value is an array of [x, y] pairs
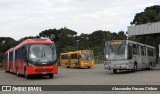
{"points": [[98, 59]]}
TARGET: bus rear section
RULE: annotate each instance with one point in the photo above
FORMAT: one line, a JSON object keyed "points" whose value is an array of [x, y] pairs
{"points": [[34, 57], [64, 59], [128, 55]]}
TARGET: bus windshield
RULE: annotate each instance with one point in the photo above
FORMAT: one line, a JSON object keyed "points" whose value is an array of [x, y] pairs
{"points": [[42, 54], [87, 56], [115, 52]]}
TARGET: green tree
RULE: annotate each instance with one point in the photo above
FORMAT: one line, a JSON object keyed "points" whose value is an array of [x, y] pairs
{"points": [[121, 35], [5, 44], [150, 14], [64, 38], [97, 40]]}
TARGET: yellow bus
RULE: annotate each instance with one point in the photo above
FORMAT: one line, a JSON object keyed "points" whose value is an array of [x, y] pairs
{"points": [[63, 59], [79, 59]]}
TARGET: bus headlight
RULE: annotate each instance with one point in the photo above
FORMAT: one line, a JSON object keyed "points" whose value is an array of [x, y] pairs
{"points": [[30, 64]]}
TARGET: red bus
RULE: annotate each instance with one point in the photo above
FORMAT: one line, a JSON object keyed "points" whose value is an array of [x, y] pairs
{"points": [[32, 57]]}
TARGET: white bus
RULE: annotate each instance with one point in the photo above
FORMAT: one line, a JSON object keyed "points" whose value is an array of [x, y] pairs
{"points": [[128, 55]]}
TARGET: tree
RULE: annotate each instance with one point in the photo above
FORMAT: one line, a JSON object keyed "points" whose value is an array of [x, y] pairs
{"points": [[64, 38], [5, 44], [150, 14], [121, 35]]}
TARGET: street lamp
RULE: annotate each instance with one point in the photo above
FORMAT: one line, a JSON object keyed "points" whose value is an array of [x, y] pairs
{"points": [[77, 44]]}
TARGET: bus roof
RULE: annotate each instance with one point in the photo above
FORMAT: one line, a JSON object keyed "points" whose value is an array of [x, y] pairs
{"points": [[34, 41], [30, 41], [71, 52], [63, 53], [129, 41]]}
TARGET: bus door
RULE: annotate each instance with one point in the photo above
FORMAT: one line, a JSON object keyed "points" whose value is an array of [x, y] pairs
{"points": [[154, 58], [23, 56], [143, 56], [136, 54]]}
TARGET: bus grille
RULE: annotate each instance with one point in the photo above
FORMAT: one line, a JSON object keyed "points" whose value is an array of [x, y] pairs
{"points": [[43, 70], [87, 62]]}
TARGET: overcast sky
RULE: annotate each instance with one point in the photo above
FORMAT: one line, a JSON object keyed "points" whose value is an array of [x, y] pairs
{"points": [[20, 18]]}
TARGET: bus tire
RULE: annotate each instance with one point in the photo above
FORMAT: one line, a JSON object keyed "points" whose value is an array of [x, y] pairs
{"points": [[114, 71], [67, 66], [51, 75], [89, 67], [26, 74]]}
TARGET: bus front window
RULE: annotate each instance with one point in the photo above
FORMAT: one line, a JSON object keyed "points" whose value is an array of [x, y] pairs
{"points": [[42, 54], [87, 56], [115, 52]]}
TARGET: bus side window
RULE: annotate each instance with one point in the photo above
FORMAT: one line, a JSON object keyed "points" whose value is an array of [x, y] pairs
{"points": [[24, 55], [138, 51], [129, 51], [143, 50], [134, 49]]}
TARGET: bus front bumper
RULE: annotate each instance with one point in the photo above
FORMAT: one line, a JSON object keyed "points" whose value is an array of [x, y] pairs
{"points": [[42, 70], [87, 65], [118, 67]]}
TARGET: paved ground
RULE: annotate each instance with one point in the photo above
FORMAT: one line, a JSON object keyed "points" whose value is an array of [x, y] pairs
{"points": [[94, 76]]}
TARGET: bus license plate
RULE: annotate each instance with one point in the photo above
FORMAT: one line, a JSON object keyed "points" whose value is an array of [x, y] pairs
{"points": [[44, 73]]}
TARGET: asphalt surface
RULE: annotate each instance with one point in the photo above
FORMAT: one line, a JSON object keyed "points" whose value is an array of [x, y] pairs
{"points": [[94, 76]]}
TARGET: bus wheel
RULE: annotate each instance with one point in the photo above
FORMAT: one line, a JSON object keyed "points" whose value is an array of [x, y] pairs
{"points": [[67, 66], [51, 75], [26, 74], [89, 67], [114, 71]]}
